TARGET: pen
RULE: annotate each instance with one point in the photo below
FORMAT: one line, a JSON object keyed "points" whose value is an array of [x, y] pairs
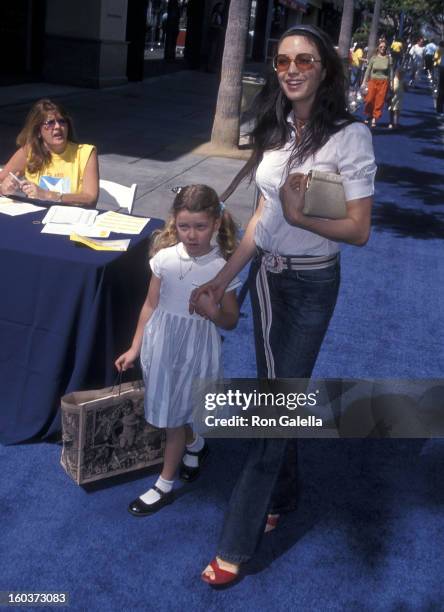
{"points": [[16, 179]]}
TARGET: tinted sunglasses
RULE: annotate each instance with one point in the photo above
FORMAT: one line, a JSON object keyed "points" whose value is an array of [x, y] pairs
{"points": [[49, 124], [303, 62]]}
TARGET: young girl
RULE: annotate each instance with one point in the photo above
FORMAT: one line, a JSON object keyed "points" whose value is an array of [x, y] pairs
{"points": [[175, 346]]}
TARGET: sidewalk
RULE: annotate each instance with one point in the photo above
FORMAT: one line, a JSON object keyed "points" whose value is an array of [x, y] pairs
{"points": [[147, 133], [367, 533]]}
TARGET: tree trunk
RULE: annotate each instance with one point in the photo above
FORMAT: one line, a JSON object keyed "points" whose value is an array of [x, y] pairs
{"points": [[346, 30], [345, 36], [374, 29], [226, 124]]}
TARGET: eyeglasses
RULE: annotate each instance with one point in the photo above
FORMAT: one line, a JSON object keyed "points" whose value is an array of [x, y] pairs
{"points": [[303, 62], [49, 124]]}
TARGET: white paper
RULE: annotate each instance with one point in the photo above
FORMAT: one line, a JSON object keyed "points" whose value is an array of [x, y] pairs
{"points": [[70, 214], [13, 208], [66, 229]]}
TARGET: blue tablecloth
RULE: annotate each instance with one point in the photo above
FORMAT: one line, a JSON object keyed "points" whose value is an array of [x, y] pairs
{"points": [[66, 312]]}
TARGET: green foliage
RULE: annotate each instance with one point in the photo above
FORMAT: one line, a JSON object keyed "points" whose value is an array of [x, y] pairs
{"points": [[417, 14]]}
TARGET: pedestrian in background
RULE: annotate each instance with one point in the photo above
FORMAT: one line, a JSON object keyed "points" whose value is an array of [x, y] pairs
{"points": [[397, 94], [416, 54], [357, 61], [396, 52], [377, 78], [440, 68], [429, 53]]}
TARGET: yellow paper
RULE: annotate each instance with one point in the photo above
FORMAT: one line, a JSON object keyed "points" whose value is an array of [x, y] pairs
{"points": [[123, 224], [101, 245]]}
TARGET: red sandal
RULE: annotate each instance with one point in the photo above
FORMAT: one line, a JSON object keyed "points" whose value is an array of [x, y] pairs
{"points": [[272, 522], [221, 576]]}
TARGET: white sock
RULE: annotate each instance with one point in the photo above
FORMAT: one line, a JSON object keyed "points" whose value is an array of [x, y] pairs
{"points": [[152, 496], [196, 445]]}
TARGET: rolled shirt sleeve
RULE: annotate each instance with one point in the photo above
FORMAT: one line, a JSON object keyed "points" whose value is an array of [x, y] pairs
{"points": [[356, 161]]}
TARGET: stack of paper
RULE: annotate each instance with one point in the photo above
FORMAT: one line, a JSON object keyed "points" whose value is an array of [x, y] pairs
{"points": [[101, 245], [64, 220], [71, 215]]}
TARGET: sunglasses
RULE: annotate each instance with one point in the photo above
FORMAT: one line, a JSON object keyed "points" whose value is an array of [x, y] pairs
{"points": [[303, 62], [49, 124]]}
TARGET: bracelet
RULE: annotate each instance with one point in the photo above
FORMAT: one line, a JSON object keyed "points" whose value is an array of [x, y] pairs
{"points": [[58, 197]]}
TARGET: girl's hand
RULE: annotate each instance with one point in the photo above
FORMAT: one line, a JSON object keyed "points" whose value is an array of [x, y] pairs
{"points": [[33, 191], [206, 305], [213, 288], [292, 196], [126, 361]]}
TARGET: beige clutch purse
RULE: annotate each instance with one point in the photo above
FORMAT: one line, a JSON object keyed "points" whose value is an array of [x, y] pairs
{"points": [[325, 196]]}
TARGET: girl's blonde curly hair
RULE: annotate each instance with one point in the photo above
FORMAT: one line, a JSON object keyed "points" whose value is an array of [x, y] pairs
{"points": [[198, 198]]}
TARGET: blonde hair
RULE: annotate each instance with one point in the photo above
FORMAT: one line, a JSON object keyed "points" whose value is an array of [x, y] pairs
{"points": [[198, 198], [29, 137]]}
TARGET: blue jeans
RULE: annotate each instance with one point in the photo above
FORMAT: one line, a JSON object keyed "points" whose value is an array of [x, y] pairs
{"points": [[291, 313], [355, 77]]}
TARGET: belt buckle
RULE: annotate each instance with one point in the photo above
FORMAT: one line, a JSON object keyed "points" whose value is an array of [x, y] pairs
{"points": [[273, 263]]}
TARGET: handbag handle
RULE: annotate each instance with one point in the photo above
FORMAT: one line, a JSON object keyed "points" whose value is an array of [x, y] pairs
{"points": [[117, 381]]}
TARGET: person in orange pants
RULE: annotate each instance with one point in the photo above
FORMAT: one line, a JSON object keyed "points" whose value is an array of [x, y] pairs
{"points": [[377, 79], [375, 99]]}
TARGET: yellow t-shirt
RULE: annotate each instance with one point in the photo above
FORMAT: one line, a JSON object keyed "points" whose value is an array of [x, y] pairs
{"points": [[357, 57], [64, 173]]}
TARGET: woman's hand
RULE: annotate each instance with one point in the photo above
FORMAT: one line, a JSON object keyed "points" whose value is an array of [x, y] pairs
{"points": [[213, 289], [33, 191], [206, 305], [292, 196], [9, 186], [126, 361]]}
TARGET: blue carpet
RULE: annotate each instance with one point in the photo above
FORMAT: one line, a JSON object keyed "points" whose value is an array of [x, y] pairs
{"points": [[369, 529]]}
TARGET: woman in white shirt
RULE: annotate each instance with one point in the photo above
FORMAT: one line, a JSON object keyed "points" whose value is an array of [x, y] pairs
{"points": [[302, 124]]}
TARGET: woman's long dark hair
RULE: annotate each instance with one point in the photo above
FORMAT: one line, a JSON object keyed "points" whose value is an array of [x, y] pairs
{"points": [[329, 111]]}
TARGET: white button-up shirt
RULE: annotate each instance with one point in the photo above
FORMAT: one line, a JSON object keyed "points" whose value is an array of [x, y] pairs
{"points": [[349, 152]]}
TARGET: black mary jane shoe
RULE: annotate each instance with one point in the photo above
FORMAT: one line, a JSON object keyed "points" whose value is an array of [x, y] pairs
{"points": [[187, 473], [140, 508]]}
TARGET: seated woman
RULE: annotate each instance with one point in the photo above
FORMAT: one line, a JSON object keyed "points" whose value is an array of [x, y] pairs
{"points": [[49, 164]]}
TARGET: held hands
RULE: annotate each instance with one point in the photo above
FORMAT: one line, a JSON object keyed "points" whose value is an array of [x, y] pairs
{"points": [[213, 292], [206, 305], [126, 361], [292, 196]]}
